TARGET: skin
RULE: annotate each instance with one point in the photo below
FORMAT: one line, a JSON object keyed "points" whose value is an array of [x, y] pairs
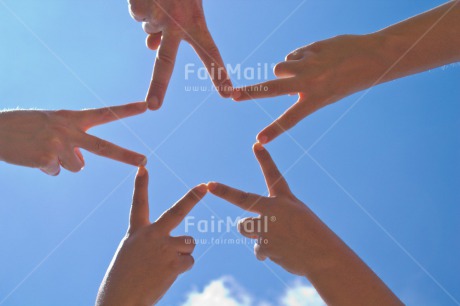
{"points": [[168, 22], [327, 71], [301, 243], [149, 260], [48, 140]]}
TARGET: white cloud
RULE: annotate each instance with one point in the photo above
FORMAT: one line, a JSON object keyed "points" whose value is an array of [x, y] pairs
{"points": [[225, 291], [301, 295]]}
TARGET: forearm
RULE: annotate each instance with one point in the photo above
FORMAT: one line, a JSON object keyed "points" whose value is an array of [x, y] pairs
{"points": [[340, 276], [423, 42]]}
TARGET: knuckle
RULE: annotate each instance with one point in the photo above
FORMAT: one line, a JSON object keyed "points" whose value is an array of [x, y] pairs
{"points": [[104, 112], [101, 146], [246, 226], [292, 120], [189, 241], [138, 9], [287, 122], [243, 198], [221, 190], [273, 173], [198, 18], [63, 113], [159, 85], [213, 51], [176, 211], [165, 57], [278, 68]]}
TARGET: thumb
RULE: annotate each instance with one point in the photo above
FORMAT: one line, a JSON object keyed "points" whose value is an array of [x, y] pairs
{"points": [[139, 216]]}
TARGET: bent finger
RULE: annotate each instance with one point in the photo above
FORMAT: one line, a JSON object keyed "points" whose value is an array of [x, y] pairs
{"points": [[70, 160], [185, 263], [52, 167], [184, 244], [259, 252], [153, 41], [287, 69], [250, 227]]}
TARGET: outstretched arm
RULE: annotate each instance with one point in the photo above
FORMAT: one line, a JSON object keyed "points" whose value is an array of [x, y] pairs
{"points": [[301, 243], [326, 71]]}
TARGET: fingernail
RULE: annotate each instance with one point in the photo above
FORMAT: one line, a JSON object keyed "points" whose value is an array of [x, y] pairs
{"points": [[262, 139], [202, 188], [236, 94], [154, 103], [258, 146], [211, 186], [141, 171], [143, 162]]}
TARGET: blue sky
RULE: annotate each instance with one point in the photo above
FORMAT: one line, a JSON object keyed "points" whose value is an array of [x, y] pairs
{"points": [[395, 154]]}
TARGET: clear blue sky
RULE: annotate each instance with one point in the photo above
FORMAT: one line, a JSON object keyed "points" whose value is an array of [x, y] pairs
{"points": [[396, 153]]}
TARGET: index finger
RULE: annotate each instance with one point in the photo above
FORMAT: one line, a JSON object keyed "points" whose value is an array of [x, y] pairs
{"points": [[171, 218], [107, 149], [93, 117], [245, 200], [139, 215], [163, 69], [276, 184], [296, 113], [209, 54], [267, 89]]}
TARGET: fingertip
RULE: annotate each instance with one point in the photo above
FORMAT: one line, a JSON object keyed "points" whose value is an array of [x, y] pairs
{"points": [[143, 162], [236, 94], [226, 89], [211, 186], [141, 171], [153, 103], [262, 138], [202, 189], [257, 147]]}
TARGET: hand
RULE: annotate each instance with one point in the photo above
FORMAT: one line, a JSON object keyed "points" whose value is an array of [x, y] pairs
{"points": [[291, 235], [149, 260], [289, 239], [169, 22], [50, 139], [321, 73]]}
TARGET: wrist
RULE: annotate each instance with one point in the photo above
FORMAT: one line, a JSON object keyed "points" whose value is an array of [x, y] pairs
{"points": [[389, 49]]}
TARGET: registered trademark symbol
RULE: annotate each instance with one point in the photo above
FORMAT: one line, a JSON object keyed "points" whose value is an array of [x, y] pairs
{"points": [[273, 218]]}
